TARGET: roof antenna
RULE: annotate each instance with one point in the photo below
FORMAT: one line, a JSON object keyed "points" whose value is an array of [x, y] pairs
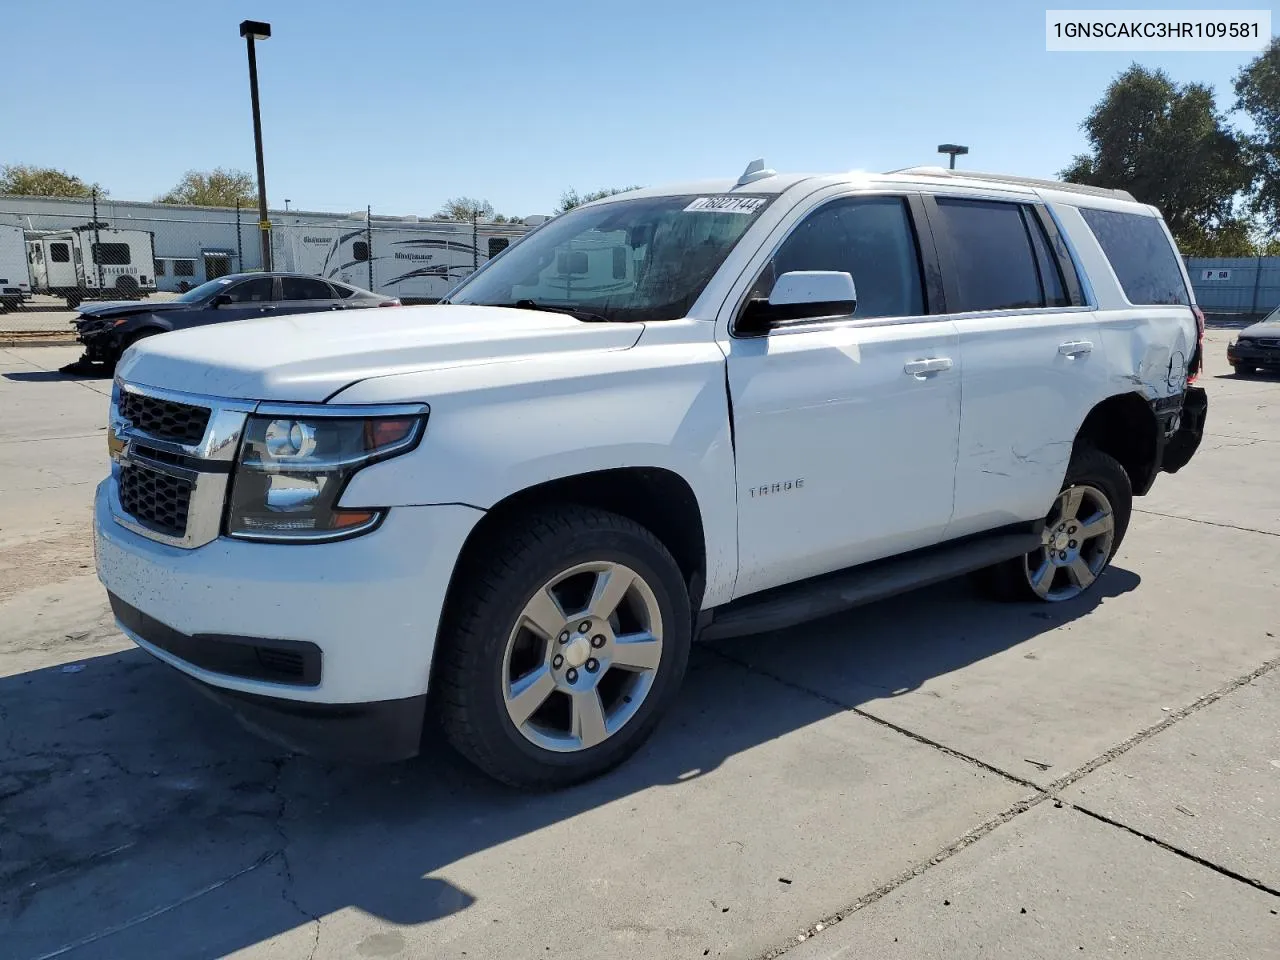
{"points": [[755, 171]]}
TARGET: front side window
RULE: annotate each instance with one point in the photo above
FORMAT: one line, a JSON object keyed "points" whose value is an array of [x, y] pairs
{"points": [[644, 259], [1144, 260], [304, 288], [111, 254], [59, 253], [992, 258], [257, 290], [869, 238]]}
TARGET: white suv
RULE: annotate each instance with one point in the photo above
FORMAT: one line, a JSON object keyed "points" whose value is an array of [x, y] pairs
{"points": [[706, 410]]}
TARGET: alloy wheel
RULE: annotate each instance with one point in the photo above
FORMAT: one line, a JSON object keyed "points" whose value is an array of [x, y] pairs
{"points": [[582, 656], [1075, 545]]}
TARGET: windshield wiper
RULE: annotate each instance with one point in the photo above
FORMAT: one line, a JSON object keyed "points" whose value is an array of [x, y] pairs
{"points": [[584, 315]]}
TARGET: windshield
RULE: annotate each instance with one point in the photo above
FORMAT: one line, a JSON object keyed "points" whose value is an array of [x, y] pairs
{"points": [[629, 260], [206, 290]]}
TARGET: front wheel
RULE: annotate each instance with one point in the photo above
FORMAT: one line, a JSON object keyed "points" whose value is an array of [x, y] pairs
{"points": [[1081, 534], [565, 641]]}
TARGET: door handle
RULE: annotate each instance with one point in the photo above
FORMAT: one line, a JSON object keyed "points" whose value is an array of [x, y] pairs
{"points": [[922, 368], [1075, 348]]}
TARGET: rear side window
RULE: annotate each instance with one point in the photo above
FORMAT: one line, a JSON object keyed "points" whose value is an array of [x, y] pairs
{"points": [[1140, 253], [111, 254], [343, 292], [993, 260], [304, 288]]}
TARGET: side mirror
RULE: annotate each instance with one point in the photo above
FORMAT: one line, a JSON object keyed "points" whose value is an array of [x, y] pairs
{"points": [[221, 300], [800, 295]]}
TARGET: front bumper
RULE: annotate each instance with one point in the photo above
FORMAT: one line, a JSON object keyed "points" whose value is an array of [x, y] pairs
{"points": [[358, 616], [101, 343], [1246, 351]]}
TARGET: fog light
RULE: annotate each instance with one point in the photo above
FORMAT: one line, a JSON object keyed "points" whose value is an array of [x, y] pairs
{"points": [[290, 438]]}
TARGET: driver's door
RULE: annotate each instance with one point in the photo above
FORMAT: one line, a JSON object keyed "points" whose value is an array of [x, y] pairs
{"points": [[846, 430], [248, 299]]}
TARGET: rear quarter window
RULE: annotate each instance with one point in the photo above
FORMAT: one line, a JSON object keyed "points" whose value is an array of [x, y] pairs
{"points": [[1144, 260]]}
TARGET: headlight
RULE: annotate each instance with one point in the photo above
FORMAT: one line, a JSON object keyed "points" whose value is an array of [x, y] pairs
{"points": [[295, 463]]}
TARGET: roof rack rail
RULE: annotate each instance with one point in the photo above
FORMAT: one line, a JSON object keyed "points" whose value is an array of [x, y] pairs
{"points": [[1021, 181]]}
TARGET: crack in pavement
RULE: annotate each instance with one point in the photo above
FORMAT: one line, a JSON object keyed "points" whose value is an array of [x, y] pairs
{"points": [[1022, 806], [1210, 523], [277, 825], [158, 911], [1165, 845]]}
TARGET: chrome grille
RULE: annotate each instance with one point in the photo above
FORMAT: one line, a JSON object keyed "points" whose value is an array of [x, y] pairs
{"points": [[164, 419], [160, 501]]}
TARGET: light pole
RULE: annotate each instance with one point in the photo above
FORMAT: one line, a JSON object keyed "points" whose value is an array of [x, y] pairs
{"points": [[286, 204], [954, 149], [253, 30]]}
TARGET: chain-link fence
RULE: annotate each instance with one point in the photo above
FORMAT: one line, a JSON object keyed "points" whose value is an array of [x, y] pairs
{"points": [[56, 253]]}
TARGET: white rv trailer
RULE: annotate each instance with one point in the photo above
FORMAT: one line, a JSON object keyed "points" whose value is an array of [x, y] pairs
{"points": [[419, 263], [15, 279], [88, 263]]}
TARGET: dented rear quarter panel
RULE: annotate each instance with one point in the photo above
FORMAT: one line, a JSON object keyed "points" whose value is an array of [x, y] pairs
{"points": [[1147, 348]]}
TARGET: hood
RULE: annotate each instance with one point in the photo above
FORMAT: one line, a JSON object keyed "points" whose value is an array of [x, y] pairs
{"points": [[124, 308], [311, 356], [1263, 328]]}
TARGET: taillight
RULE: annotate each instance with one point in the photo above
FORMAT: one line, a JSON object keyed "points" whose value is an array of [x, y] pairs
{"points": [[389, 303], [1197, 361]]}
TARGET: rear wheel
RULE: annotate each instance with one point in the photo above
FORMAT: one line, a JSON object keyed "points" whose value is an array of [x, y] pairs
{"points": [[1082, 532], [1243, 369], [565, 642]]}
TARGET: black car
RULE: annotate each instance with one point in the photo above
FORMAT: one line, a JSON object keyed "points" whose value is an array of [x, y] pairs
{"points": [[1257, 347], [107, 329]]}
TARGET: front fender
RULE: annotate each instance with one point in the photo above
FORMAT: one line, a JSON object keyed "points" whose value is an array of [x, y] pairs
{"points": [[498, 429]]}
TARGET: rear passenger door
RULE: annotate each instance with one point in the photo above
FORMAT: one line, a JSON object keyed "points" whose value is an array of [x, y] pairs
{"points": [[306, 295], [1031, 350]]}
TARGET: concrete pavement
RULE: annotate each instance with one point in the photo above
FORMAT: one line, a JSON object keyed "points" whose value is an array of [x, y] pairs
{"points": [[923, 769]]}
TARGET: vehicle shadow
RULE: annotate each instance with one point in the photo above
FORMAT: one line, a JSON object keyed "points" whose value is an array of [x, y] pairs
{"points": [[73, 371], [139, 820]]}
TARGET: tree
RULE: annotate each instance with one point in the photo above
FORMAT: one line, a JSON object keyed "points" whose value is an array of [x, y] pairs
{"points": [[571, 198], [466, 209], [1167, 145], [216, 188], [21, 179], [1257, 88]]}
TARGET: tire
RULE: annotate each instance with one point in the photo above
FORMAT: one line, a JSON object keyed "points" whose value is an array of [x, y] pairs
{"points": [[127, 287], [1243, 369], [1096, 486], [129, 342], [493, 667]]}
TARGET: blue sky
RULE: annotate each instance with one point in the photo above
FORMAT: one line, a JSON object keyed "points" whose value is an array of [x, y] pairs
{"points": [[403, 103]]}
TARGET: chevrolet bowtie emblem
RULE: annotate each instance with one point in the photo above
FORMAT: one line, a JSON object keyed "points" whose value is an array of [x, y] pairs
{"points": [[117, 446]]}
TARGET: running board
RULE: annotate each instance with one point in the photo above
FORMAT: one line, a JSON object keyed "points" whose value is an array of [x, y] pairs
{"points": [[783, 607]]}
